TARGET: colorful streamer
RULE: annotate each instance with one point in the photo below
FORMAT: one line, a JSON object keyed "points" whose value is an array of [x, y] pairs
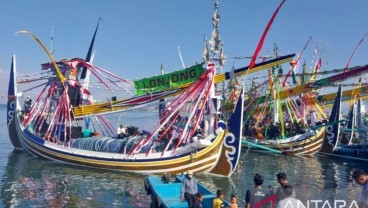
{"points": [[261, 41]]}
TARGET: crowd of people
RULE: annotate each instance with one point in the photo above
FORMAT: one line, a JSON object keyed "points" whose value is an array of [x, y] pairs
{"points": [[260, 197], [190, 193], [267, 129], [257, 196], [284, 197]]}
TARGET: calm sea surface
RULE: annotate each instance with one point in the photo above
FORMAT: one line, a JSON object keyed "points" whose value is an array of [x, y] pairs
{"points": [[31, 182]]}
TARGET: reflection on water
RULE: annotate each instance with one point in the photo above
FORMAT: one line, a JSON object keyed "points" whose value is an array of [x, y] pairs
{"points": [[32, 182], [314, 178]]}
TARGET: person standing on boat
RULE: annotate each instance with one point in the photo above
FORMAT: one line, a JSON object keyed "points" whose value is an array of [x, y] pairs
{"points": [[27, 105], [282, 179], [189, 189], [121, 131], [256, 194], [362, 179]]}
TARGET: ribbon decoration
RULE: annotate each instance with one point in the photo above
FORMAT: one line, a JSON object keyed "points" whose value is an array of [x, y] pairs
{"points": [[261, 41], [296, 62]]}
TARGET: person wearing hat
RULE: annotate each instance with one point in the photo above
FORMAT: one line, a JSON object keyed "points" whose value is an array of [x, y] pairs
{"points": [[282, 179], [189, 189]]}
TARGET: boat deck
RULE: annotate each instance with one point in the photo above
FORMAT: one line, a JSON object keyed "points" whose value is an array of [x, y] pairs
{"points": [[169, 193]]}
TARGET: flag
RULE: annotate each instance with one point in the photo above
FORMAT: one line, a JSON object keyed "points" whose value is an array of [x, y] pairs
{"points": [[261, 41], [351, 56], [297, 61], [86, 96]]}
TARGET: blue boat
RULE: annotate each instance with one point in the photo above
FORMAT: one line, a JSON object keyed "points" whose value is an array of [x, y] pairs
{"points": [[167, 194], [345, 147]]}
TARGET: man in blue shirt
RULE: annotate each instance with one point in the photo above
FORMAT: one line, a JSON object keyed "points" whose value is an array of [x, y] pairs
{"points": [[257, 194], [189, 189]]}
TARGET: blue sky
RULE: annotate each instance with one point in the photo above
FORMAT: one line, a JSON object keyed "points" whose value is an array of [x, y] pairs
{"points": [[135, 37]]}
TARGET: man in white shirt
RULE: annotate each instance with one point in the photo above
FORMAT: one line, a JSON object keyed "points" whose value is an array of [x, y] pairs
{"points": [[121, 131], [289, 201]]}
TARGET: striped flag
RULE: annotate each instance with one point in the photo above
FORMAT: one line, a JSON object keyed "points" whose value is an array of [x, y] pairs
{"points": [[86, 95]]}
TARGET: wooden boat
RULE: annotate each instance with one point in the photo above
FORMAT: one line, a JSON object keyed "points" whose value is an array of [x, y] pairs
{"points": [[333, 126], [217, 153], [280, 125], [348, 132], [167, 195], [11, 107], [302, 144], [310, 142], [345, 147]]}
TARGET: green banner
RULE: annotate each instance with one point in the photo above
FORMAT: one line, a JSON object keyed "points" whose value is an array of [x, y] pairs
{"points": [[168, 81]]}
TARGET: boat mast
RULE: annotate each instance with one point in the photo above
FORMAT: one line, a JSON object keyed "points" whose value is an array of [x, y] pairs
{"points": [[276, 104], [216, 50], [217, 46], [162, 104]]}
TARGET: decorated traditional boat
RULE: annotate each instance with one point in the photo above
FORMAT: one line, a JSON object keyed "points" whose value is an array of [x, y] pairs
{"points": [[348, 146], [280, 125], [333, 126], [307, 143], [324, 82], [310, 142], [51, 130]]}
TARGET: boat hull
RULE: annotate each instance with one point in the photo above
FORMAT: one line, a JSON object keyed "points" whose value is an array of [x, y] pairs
{"points": [[198, 161], [12, 108], [308, 145], [354, 152]]}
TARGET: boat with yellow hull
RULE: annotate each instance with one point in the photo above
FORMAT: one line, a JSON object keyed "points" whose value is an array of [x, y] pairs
{"points": [[217, 153]]}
